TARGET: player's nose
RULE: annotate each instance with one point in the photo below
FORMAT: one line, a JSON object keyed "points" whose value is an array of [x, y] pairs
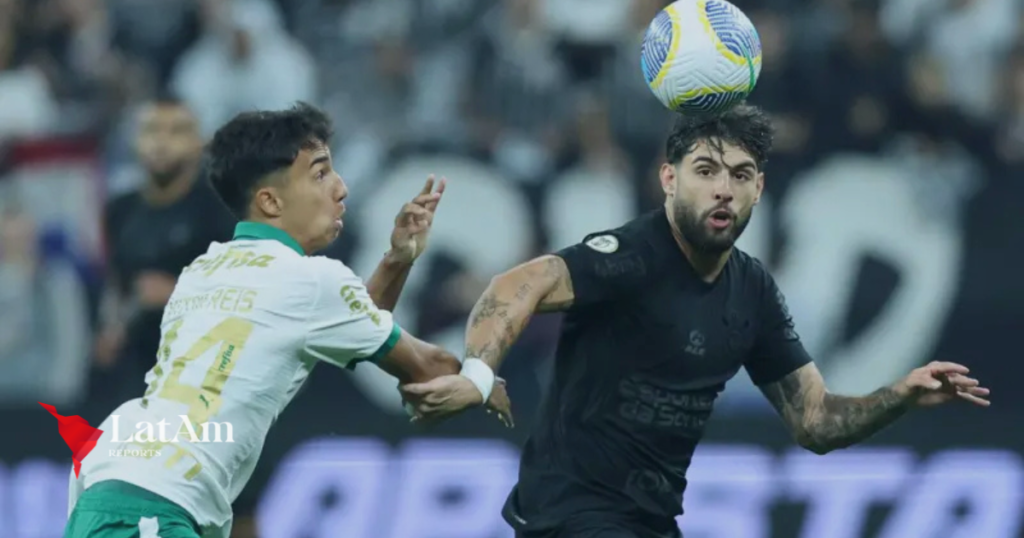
{"points": [[723, 194], [340, 190]]}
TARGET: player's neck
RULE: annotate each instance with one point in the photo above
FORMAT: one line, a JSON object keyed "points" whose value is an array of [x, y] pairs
{"points": [[171, 192], [708, 266]]}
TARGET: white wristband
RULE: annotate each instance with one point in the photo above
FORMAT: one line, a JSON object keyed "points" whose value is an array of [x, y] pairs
{"points": [[480, 375]]}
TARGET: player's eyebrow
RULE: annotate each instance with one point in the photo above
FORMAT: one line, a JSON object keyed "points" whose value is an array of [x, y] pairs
{"points": [[319, 159], [743, 165], [706, 160]]}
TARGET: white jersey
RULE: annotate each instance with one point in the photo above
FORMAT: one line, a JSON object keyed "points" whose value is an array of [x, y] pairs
{"points": [[244, 327]]}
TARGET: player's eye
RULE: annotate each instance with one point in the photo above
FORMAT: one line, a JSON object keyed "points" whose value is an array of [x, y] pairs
{"points": [[320, 175], [705, 171]]}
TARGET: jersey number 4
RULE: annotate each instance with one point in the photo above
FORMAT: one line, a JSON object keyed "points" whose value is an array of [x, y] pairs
{"points": [[203, 401], [228, 338]]}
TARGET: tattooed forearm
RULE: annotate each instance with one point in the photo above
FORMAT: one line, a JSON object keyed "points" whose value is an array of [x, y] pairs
{"points": [[501, 314], [822, 422]]}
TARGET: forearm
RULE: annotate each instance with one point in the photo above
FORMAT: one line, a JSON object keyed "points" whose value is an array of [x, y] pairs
{"points": [[436, 362], [841, 421], [497, 320], [386, 283], [540, 285], [114, 310]]}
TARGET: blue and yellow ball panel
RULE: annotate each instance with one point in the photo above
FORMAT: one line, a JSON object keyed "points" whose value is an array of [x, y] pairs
{"points": [[710, 103], [657, 46]]}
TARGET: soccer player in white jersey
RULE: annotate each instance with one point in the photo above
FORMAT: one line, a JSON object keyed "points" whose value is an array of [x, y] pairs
{"points": [[244, 327]]}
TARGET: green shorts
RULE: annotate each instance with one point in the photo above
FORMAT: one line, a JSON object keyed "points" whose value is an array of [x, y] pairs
{"points": [[116, 509]]}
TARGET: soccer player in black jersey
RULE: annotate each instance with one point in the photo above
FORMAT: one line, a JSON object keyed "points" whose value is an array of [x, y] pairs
{"points": [[661, 313]]}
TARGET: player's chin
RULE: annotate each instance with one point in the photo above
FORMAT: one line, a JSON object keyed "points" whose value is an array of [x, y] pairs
{"points": [[719, 240]]}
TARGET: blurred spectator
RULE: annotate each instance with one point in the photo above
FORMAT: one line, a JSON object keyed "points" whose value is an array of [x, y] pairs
{"points": [[1010, 144], [27, 104], [638, 120], [364, 77], [586, 31], [152, 234], [601, 178], [245, 60], [859, 87], [521, 103], [784, 90], [968, 40], [43, 317], [154, 31]]}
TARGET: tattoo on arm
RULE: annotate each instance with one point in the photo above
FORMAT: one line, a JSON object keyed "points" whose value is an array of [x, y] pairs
{"points": [[560, 295], [822, 422], [501, 314]]}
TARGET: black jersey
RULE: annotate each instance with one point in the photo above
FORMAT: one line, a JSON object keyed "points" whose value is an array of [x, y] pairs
{"points": [[644, 352], [142, 237]]}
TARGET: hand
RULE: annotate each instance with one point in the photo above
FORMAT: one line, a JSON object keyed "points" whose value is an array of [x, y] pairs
{"points": [[500, 404], [108, 345], [941, 382], [412, 225], [445, 396], [441, 397], [154, 288]]}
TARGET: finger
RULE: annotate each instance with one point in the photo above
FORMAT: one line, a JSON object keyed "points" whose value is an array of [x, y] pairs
{"points": [[435, 199], [976, 400], [947, 368], [426, 200], [960, 381], [415, 211], [428, 186], [977, 391], [414, 389]]}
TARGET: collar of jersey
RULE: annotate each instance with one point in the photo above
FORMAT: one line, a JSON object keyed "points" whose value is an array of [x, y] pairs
{"points": [[258, 230]]}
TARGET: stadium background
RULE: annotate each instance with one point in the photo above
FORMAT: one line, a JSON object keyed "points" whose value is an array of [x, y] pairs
{"points": [[891, 222]]}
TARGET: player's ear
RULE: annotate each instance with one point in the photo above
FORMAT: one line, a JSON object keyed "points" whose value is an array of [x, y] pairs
{"points": [[268, 201], [667, 176]]}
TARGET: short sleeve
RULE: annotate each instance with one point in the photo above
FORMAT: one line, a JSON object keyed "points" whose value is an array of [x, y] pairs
{"points": [[778, 350], [345, 326], [603, 267]]}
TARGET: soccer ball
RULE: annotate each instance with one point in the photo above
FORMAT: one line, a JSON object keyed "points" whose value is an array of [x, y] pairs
{"points": [[701, 56]]}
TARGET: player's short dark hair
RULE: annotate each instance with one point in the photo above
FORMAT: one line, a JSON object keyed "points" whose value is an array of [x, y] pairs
{"points": [[254, 145], [745, 126]]}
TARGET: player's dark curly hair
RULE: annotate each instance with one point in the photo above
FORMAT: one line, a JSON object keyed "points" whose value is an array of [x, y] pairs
{"points": [[254, 145], [745, 126]]}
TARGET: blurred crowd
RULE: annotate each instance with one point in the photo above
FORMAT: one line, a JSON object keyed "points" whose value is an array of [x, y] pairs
{"points": [[546, 93]]}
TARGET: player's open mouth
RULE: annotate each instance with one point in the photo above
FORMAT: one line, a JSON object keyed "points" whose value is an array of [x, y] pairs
{"points": [[720, 219]]}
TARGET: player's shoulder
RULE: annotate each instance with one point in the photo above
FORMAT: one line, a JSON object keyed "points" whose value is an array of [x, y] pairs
{"points": [[327, 272], [632, 238], [752, 273]]}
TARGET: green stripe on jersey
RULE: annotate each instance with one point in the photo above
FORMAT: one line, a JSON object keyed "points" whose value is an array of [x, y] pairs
{"points": [[384, 349]]}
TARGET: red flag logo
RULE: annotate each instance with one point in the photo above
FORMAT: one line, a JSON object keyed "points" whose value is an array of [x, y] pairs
{"points": [[80, 437]]}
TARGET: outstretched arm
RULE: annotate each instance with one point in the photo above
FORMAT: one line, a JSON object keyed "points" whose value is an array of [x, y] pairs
{"points": [[502, 312], [822, 422], [386, 283], [408, 241], [581, 276]]}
